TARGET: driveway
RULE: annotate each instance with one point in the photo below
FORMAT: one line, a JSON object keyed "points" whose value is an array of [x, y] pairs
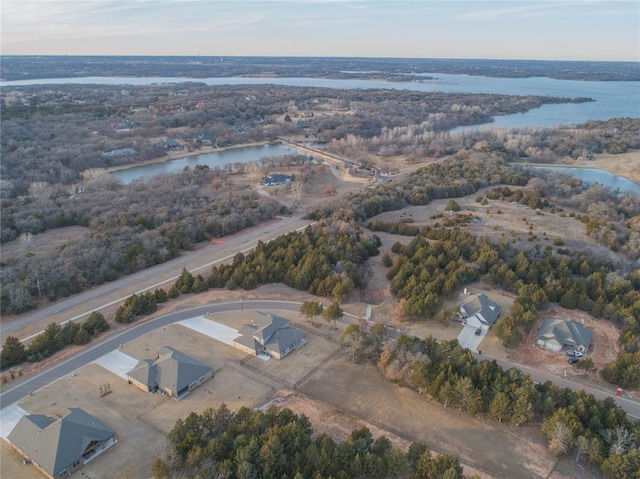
{"points": [[468, 338]]}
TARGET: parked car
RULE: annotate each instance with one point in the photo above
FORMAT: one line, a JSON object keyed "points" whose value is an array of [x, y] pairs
{"points": [[478, 332], [573, 360], [578, 354], [571, 352]]}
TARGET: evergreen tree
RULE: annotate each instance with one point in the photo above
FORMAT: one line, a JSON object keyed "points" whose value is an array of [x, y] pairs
{"points": [[13, 352]]}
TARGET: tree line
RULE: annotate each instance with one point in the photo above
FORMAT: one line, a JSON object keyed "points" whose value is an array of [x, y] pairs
{"points": [[280, 444], [53, 339]]}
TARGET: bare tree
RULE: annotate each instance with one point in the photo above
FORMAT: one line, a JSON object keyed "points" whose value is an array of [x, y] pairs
{"points": [[560, 439], [620, 440]]}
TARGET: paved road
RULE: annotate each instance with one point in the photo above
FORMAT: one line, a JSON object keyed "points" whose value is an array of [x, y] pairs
{"points": [[85, 357], [80, 305], [66, 367]]}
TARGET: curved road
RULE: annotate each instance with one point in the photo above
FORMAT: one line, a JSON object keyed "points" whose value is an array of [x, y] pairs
{"points": [[84, 357]]}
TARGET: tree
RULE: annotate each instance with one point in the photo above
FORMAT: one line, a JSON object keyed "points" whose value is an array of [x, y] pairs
{"points": [[500, 406], [620, 440], [560, 439], [184, 283], [333, 313], [452, 205], [82, 337], [95, 323], [160, 295], [311, 310], [587, 365], [13, 352], [522, 407], [353, 338]]}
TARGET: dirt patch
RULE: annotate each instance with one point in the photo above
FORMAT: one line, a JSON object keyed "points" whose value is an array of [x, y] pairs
{"points": [[337, 424], [604, 346]]}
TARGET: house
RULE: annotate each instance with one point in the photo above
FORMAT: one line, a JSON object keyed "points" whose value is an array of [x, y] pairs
{"points": [[174, 373], [119, 152], [269, 334], [58, 447], [171, 144], [554, 334], [125, 125], [478, 310], [207, 139], [277, 179]]}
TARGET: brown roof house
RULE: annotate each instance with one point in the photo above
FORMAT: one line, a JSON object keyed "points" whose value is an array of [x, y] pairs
{"points": [[554, 334], [269, 334], [58, 447], [478, 310], [173, 373]]}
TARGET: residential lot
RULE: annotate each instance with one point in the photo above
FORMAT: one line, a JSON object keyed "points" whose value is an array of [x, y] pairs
{"points": [[142, 420], [335, 394]]}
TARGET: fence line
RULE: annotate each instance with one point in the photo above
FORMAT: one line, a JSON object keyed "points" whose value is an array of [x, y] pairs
{"points": [[316, 367]]}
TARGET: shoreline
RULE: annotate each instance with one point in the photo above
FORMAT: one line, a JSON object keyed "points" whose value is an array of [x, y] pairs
{"points": [[610, 164], [179, 155]]}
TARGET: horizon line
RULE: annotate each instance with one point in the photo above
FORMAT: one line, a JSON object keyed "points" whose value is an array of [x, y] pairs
{"points": [[311, 56]]}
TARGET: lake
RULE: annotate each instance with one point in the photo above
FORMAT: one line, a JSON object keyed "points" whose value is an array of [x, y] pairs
{"points": [[215, 159], [612, 99]]}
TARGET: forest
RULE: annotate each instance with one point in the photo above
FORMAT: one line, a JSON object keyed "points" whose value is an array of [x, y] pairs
{"points": [[280, 444], [54, 170], [125, 228], [396, 69], [53, 134]]}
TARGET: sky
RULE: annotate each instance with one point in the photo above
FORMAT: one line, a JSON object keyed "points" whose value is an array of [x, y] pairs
{"points": [[500, 29]]}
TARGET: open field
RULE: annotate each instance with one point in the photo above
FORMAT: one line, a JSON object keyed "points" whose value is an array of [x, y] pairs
{"points": [[511, 221]]}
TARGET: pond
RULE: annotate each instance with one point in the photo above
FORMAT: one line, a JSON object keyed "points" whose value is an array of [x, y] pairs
{"points": [[215, 159], [593, 175]]}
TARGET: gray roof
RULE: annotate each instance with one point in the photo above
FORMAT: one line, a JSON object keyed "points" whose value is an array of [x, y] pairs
{"points": [[479, 304], [54, 444], [173, 369], [270, 331], [144, 373], [565, 333], [283, 338]]}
